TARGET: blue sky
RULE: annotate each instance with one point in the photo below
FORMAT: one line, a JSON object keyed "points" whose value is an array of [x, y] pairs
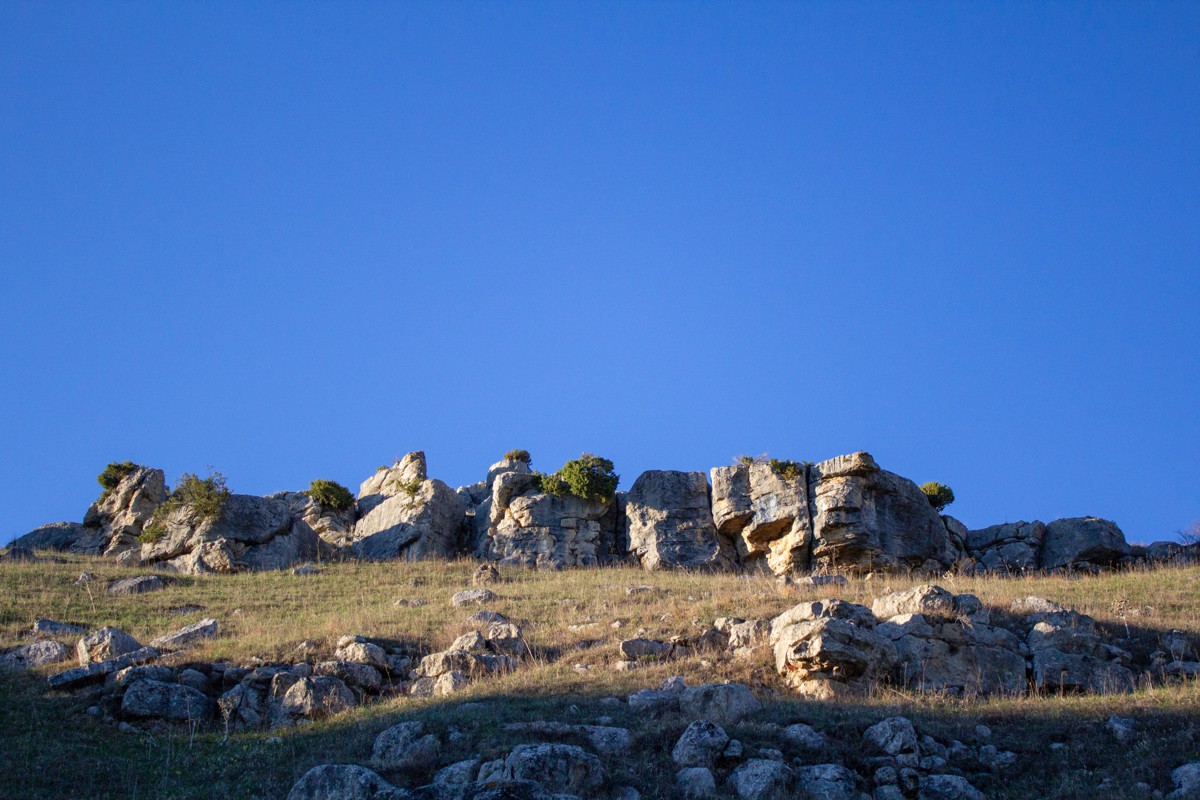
{"points": [[293, 241]]}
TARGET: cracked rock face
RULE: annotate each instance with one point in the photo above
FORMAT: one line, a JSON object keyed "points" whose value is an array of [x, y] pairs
{"points": [[403, 514], [670, 523], [1082, 540], [767, 514], [844, 514], [250, 533], [519, 526], [1012, 546]]}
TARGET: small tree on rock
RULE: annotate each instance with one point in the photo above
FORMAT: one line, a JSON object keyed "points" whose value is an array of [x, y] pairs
{"points": [[939, 494]]}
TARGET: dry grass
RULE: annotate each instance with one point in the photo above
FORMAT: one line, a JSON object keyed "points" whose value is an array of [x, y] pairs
{"points": [[55, 750]]}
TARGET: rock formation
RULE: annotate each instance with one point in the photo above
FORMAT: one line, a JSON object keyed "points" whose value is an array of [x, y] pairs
{"points": [[843, 515]]}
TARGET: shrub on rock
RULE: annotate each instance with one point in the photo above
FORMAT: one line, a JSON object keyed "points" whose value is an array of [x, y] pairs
{"points": [[330, 494], [588, 477], [940, 495]]}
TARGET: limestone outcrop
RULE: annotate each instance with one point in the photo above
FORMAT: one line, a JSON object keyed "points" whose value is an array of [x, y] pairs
{"points": [[670, 523], [799, 521], [404, 514], [520, 526]]}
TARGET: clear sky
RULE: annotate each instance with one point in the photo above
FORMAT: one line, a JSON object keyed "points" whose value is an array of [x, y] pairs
{"points": [[294, 241]]}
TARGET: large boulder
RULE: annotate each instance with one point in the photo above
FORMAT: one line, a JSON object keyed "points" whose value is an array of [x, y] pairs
{"points": [[557, 767], [766, 513], [1070, 655], [936, 654], [405, 746], [404, 514], [123, 511], [865, 518], [333, 527], [34, 654], [670, 524], [520, 526], [56, 536], [1009, 547], [1082, 540], [700, 745], [344, 782], [104, 645], [149, 699], [249, 533], [830, 656]]}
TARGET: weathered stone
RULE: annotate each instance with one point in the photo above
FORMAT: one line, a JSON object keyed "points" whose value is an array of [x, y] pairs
{"points": [[804, 736], [1068, 655], [170, 701], [459, 773], [865, 518], [696, 782], [948, 787], [405, 746], [828, 782], [520, 526], [187, 635], [131, 675], [356, 652], [822, 609], [762, 779], [137, 585], [645, 648], [34, 654], [403, 514], [556, 767], [96, 670], [603, 739], [768, 515], [894, 735], [313, 698], [469, 597], [700, 745], [669, 523], [928, 600], [1082, 540], [249, 533], [840, 651], [361, 676], [1186, 780], [1011, 546], [55, 536], [947, 656], [121, 514], [344, 782], [104, 645], [48, 627], [722, 703]]}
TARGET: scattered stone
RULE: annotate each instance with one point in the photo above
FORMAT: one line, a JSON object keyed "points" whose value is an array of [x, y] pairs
{"points": [[306, 569], [761, 779], [1186, 780], [556, 767], [700, 745], [1123, 729], [131, 675], [722, 703], [634, 649], [469, 597], [104, 645], [405, 746], [486, 574], [186, 636], [358, 652], [948, 787], [169, 701], [604, 739], [84, 577], [829, 782], [813, 581], [459, 773], [48, 627], [644, 589], [804, 736], [928, 600], [137, 585], [343, 782], [893, 736], [180, 611], [34, 654], [696, 782]]}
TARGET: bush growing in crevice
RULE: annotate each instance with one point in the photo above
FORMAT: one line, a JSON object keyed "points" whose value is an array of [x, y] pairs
{"points": [[113, 474], [940, 495], [789, 470], [330, 494], [588, 477], [204, 497]]}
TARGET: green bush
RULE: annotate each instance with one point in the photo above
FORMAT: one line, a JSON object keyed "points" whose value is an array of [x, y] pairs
{"points": [[330, 494], [788, 470], [409, 487], [746, 461], [205, 497], [588, 477], [113, 474], [153, 531], [518, 455], [940, 495]]}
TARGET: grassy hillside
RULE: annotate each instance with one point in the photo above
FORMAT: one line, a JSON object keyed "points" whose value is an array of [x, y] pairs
{"points": [[574, 621]]}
